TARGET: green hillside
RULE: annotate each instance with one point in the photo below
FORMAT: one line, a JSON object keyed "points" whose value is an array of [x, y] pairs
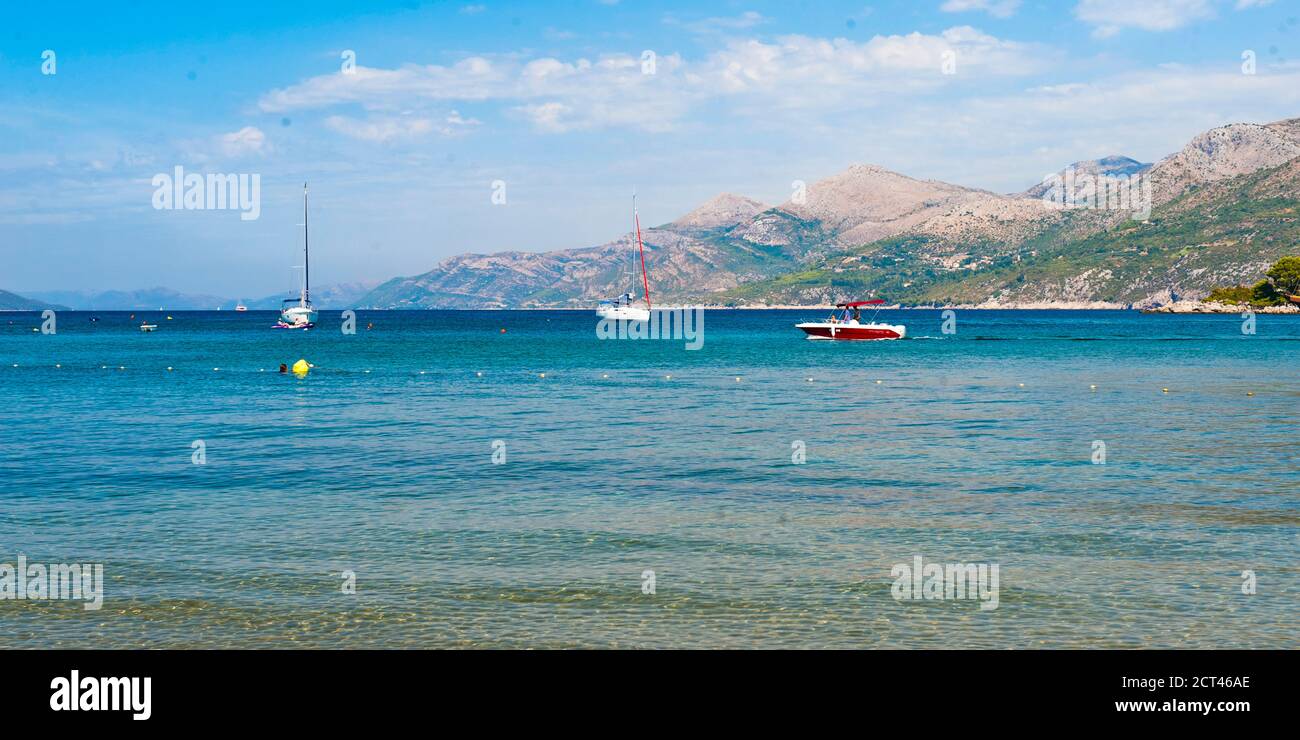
{"points": [[1225, 233]]}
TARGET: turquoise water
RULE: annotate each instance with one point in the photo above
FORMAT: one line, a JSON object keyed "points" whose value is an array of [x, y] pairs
{"points": [[973, 447]]}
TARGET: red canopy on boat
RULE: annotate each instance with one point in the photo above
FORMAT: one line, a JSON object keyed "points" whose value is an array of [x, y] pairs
{"points": [[855, 304]]}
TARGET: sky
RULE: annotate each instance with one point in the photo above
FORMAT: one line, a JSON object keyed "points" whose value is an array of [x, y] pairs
{"points": [[429, 129]]}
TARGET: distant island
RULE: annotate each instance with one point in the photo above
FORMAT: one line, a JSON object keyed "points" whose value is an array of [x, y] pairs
{"points": [[328, 297]]}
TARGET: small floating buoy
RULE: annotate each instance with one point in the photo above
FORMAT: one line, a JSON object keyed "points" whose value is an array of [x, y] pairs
{"points": [[261, 369], [503, 331], [1250, 393], [478, 375], [367, 372], [169, 368], [1022, 385], [878, 382], [737, 378], [606, 375], [810, 380], [58, 366], [121, 367], [169, 318], [1164, 390], [1092, 387], [422, 372], [301, 367], [540, 375], [216, 369]]}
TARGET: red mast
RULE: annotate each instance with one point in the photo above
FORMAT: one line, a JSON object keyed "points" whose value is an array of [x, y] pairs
{"points": [[645, 278]]}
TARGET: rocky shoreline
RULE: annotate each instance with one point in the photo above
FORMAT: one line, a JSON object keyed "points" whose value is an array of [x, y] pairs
{"points": [[1214, 307]]}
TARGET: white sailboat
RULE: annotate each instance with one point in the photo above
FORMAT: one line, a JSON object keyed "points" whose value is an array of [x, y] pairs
{"points": [[624, 308], [298, 313]]}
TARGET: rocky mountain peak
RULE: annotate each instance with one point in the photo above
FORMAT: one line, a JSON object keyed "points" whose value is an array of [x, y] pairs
{"points": [[724, 209], [1226, 151], [1115, 165]]}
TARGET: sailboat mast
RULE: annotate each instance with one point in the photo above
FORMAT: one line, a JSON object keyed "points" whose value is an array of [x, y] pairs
{"points": [[306, 259], [645, 279]]}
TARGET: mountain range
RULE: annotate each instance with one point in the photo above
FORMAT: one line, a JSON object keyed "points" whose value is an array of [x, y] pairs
{"points": [[1224, 207], [12, 302], [328, 297]]}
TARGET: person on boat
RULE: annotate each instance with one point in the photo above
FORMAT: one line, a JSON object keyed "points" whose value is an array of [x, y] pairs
{"points": [[857, 314]]}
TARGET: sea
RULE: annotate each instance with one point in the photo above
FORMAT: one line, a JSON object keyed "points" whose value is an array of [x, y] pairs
{"points": [[508, 479]]}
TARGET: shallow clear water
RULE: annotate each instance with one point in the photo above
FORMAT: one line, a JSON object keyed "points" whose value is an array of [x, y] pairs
{"points": [[973, 447]]}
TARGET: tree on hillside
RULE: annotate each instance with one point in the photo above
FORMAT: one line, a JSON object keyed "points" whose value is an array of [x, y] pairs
{"points": [[1285, 274]]}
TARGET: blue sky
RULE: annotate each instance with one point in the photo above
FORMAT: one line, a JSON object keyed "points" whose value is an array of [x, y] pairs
{"points": [[553, 99]]}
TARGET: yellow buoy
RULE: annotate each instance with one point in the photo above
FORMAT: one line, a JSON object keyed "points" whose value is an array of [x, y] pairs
{"points": [[1164, 390], [1250, 393], [301, 367]]}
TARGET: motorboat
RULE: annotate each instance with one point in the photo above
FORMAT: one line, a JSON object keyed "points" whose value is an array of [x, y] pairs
{"points": [[845, 323]]}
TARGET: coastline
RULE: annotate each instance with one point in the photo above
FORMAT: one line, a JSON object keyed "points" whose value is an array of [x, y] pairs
{"points": [[1180, 307]]}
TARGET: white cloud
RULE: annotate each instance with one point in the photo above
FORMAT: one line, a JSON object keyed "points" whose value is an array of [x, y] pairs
{"points": [[1244, 4], [380, 129], [1109, 17], [1144, 114], [474, 9], [791, 72], [995, 8], [721, 24], [245, 141]]}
